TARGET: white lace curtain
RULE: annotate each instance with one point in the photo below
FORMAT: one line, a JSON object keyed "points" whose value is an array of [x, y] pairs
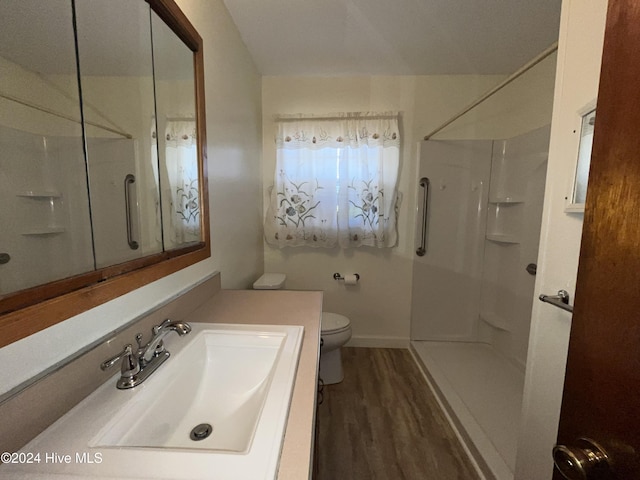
{"points": [[335, 181], [179, 180]]}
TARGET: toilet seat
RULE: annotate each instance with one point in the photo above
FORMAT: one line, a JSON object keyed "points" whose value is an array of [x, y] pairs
{"points": [[334, 323]]}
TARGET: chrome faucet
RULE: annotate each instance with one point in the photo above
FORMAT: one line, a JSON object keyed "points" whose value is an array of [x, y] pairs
{"points": [[137, 367], [155, 347]]}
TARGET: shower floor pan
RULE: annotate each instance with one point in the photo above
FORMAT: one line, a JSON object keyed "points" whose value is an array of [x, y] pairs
{"points": [[482, 393]]}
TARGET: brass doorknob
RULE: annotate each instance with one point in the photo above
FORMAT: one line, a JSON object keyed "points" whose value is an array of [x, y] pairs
{"points": [[586, 460]]}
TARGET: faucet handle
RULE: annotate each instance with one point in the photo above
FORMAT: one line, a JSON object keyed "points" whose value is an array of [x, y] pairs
{"points": [[112, 361], [130, 365]]}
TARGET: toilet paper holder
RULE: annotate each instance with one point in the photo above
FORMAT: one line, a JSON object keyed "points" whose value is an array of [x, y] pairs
{"points": [[337, 276]]}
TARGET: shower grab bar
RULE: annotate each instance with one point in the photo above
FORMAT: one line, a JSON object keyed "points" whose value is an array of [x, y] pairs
{"points": [[422, 249], [561, 300], [128, 180]]}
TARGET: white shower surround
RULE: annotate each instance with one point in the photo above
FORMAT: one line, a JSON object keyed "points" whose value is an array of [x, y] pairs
{"points": [[472, 296], [576, 84]]}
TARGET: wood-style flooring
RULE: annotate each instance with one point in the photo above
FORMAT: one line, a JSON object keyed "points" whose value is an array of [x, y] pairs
{"points": [[382, 422]]}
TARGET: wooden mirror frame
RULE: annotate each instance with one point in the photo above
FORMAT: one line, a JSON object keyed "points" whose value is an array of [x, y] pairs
{"points": [[28, 311]]}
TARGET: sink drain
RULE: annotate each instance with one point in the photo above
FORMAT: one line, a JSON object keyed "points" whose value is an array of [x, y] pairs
{"points": [[200, 432]]}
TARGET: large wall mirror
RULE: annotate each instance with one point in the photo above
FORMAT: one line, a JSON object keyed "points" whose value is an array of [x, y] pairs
{"points": [[102, 160]]}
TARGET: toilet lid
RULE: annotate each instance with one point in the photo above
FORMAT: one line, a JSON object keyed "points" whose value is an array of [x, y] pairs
{"points": [[270, 281], [333, 322]]}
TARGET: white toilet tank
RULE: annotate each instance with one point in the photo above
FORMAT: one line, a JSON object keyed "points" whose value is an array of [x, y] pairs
{"points": [[270, 281]]}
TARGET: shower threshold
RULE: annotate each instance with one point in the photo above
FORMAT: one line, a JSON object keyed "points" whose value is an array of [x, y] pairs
{"points": [[482, 393]]}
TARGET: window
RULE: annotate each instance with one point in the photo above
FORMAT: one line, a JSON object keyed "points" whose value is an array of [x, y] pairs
{"points": [[335, 181]]}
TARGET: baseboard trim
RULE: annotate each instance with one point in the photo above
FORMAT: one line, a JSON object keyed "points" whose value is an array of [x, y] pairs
{"points": [[374, 341]]}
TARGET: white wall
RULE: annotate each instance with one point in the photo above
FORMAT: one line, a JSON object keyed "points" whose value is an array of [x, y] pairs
{"points": [[579, 55], [234, 134], [523, 105], [379, 307], [232, 88]]}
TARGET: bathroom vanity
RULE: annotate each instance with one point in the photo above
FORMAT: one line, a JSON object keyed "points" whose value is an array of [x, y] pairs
{"points": [[110, 434]]}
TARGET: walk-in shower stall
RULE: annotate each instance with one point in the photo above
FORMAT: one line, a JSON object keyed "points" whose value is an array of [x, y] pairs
{"points": [[478, 229]]}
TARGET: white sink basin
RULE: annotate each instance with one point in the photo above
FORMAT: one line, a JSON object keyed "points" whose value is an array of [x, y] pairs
{"points": [[236, 378], [221, 378]]}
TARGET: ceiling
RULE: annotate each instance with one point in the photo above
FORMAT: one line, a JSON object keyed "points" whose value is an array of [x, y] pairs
{"points": [[394, 37]]}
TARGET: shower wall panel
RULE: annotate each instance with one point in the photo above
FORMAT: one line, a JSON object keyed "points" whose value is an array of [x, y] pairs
{"points": [[483, 228], [41, 240], [447, 279], [110, 160], [516, 194]]}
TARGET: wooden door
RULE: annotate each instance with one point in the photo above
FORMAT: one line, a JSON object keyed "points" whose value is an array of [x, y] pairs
{"points": [[601, 399]]}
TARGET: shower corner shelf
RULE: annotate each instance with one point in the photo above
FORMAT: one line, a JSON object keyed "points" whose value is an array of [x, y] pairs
{"points": [[40, 194], [496, 321], [506, 200], [44, 231], [505, 239]]}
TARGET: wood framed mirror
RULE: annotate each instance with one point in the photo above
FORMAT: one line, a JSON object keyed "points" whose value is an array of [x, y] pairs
{"points": [[110, 200]]}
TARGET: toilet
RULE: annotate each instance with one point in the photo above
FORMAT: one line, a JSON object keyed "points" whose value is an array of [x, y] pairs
{"points": [[335, 332]]}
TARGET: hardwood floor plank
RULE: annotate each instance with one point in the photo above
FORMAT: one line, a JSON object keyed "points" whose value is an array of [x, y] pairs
{"points": [[382, 422]]}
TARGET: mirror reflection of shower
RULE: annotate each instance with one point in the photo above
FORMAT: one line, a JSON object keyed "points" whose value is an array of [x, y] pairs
{"points": [[80, 167]]}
